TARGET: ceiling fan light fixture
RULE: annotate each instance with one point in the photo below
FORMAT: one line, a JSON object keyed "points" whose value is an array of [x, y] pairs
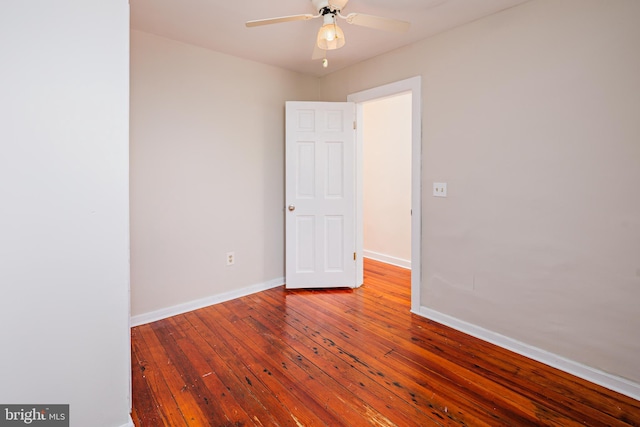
{"points": [[330, 35]]}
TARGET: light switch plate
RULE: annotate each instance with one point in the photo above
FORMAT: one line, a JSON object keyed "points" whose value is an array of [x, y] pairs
{"points": [[440, 189]]}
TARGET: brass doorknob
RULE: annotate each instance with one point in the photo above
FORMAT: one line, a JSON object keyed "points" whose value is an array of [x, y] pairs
{"points": [[292, 208]]}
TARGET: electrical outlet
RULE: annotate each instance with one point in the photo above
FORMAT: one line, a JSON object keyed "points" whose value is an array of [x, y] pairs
{"points": [[231, 258], [440, 189]]}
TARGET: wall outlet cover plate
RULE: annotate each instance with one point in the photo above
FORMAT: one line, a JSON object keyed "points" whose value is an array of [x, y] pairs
{"points": [[440, 189]]}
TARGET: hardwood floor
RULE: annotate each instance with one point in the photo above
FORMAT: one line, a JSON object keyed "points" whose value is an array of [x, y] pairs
{"points": [[347, 357]]}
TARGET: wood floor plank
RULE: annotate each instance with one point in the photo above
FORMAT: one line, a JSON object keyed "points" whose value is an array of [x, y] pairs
{"points": [[260, 403], [288, 396], [347, 357], [302, 368], [157, 377], [440, 365], [217, 406], [432, 409], [164, 357], [607, 412], [454, 397], [145, 402], [329, 367], [265, 407]]}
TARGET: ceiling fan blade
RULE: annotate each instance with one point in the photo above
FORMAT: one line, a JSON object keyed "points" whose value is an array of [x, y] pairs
{"points": [[377, 22], [318, 53], [280, 19]]}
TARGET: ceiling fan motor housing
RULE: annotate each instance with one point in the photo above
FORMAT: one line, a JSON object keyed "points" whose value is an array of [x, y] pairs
{"points": [[325, 6]]}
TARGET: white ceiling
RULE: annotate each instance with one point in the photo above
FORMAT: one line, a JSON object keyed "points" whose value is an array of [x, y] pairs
{"points": [[219, 25]]}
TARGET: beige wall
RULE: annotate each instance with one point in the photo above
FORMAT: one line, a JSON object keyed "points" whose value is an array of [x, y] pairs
{"points": [[64, 215], [207, 171], [387, 179], [531, 116]]}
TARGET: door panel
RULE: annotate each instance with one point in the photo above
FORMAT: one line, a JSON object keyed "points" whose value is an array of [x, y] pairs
{"points": [[334, 248], [335, 170], [305, 243], [320, 195], [305, 176]]}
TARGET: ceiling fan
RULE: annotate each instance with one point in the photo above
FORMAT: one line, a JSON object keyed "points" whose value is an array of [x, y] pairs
{"points": [[330, 36]]}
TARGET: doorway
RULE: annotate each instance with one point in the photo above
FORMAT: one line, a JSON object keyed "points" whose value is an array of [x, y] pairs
{"points": [[387, 180], [412, 86]]}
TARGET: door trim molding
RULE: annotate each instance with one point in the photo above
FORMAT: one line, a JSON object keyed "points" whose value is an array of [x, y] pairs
{"points": [[412, 85]]}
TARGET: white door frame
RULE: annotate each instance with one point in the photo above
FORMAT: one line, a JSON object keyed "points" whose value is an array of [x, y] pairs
{"points": [[412, 85]]}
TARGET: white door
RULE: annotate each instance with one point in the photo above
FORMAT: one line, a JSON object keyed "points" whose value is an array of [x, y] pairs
{"points": [[320, 195]]}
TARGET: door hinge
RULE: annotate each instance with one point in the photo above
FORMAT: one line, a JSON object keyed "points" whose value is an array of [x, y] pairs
{"points": [[355, 126], [354, 256]]}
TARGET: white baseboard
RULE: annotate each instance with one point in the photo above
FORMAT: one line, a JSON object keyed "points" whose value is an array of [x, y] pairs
{"points": [[596, 376], [163, 313], [399, 262]]}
